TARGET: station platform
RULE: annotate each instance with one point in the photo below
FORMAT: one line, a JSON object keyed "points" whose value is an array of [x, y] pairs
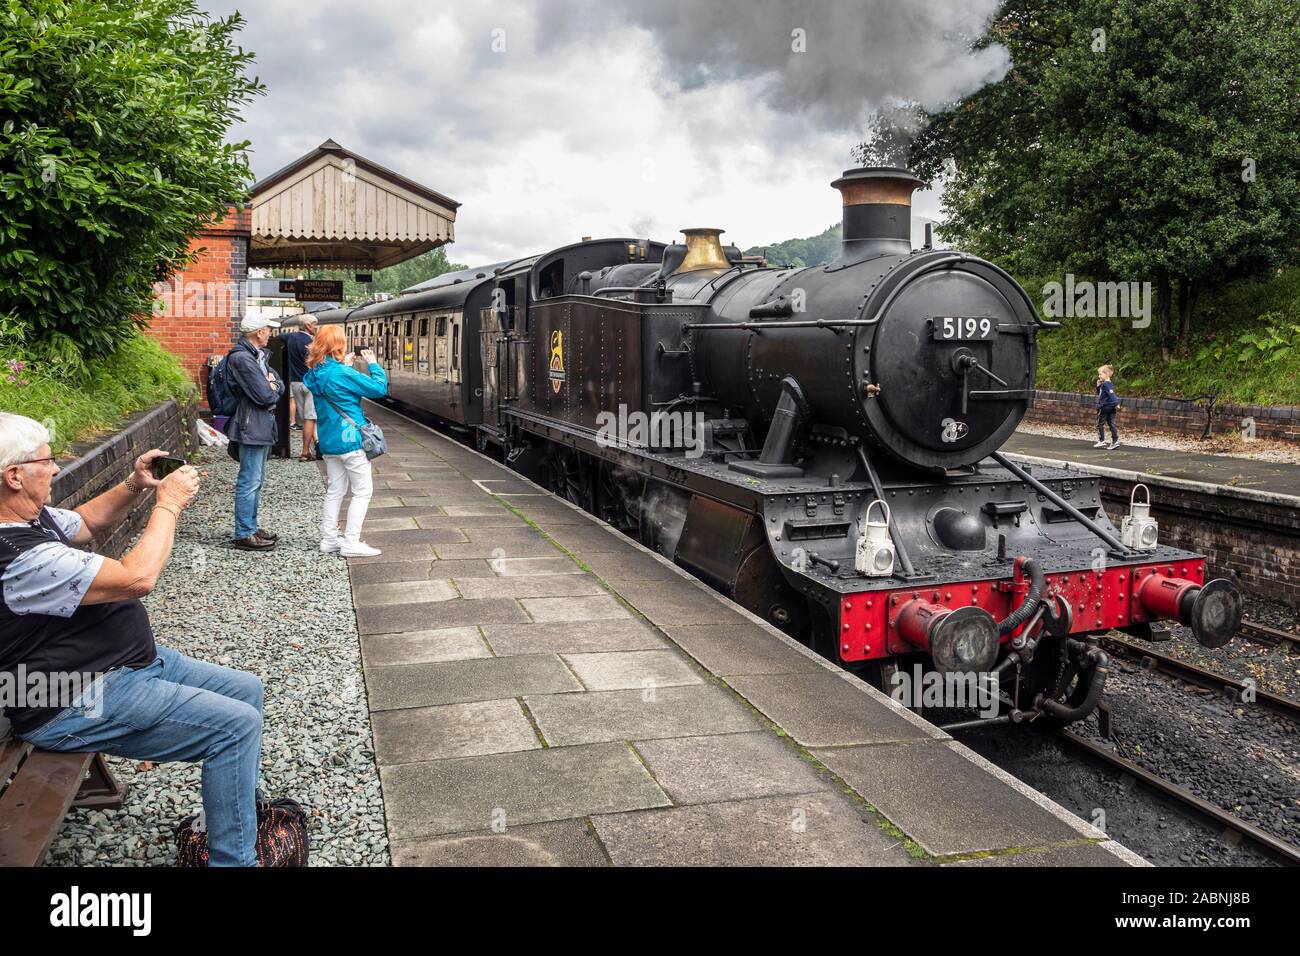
{"points": [[543, 690], [1248, 478]]}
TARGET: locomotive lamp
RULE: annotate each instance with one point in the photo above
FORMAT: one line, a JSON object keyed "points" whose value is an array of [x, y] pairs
{"points": [[875, 554], [1139, 530]]}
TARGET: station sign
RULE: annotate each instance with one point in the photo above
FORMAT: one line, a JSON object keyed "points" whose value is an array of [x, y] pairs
{"points": [[313, 290]]}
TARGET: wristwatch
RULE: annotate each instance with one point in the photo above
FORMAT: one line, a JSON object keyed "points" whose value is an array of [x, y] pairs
{"points": [[131, 486]]}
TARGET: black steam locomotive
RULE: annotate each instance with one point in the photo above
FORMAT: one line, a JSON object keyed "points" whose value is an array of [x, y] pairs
{"points": [[820, 444]]}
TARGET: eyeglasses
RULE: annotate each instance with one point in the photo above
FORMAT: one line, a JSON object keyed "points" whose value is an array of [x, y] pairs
{"points": [[30, 461]]}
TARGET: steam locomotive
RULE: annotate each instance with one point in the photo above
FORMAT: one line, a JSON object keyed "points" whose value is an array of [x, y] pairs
{"points": [[820, 444]]}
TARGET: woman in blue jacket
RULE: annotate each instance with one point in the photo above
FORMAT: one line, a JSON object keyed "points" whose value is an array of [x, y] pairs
{"points": [[338, 390]]}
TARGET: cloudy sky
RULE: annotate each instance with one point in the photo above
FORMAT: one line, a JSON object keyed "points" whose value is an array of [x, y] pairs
{"points": [[555, 119]]}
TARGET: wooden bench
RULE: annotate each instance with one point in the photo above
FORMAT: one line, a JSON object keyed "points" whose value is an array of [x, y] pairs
{"points": [[38, 787]]}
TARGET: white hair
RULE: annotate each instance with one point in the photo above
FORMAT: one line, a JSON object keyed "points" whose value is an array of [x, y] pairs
{"points": [[20, 437]]}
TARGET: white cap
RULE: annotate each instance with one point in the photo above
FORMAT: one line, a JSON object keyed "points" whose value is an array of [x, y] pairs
{"points": [[252, 323]]}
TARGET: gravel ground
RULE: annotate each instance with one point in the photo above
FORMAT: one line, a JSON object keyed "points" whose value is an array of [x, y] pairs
{"points": [[1242, 758], [1228, 444], [285, 615], [1134, 817], [1274, 668]]}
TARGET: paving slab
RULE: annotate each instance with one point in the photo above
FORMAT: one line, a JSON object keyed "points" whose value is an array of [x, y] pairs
{"points": [[820, 829], [472, 793], [911, 784], [626, 670], [395, 618], [393, 571], [402, 592], [433, 536], [536, 547], [572, 638], [600, 607], [629, 567], [485, 506], [454, 682], [1084, 854], [452, 730], [666, 603], [561, 843], [727, 649], [1230, 472], [588, 539], [730, 767], [423, 647], [817, 710], [512, 567], [397, 552], [426, 518], [532, 586], [567, 719], [500, 534]]}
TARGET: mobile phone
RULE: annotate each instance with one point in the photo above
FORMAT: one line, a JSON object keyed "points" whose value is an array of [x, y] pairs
{"points": [[358, 349], [162, 467]]}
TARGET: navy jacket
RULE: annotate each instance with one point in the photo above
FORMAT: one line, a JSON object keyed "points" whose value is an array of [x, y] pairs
{"points": [[254, 421], [1107, 398]]}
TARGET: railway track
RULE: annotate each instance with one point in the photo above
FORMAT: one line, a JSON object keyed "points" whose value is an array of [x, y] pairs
{"points": [[1229, 686], [1270, 635], [1233, 827]]}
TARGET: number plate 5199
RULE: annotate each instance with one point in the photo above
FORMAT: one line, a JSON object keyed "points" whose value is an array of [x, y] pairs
{"points": [[958, 328]]}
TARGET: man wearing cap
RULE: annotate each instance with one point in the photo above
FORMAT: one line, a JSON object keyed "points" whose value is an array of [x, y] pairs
{"points": [[252, 426]]}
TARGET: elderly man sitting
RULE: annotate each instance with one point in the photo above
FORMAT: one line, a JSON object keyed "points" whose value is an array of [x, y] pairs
{"points": [[67, 611]]}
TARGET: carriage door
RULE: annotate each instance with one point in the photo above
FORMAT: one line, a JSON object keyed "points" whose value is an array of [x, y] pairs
{"points": [[492, 361]]}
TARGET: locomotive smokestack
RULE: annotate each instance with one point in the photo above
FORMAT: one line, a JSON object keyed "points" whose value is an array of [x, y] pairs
{"points": [[877, 212]]}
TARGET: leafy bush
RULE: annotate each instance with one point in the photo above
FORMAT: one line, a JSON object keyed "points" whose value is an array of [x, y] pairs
{"points": [[112, 157], [80, 399]]}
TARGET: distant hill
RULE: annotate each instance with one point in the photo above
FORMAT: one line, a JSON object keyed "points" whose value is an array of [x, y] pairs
{"points": [[798, 253]]}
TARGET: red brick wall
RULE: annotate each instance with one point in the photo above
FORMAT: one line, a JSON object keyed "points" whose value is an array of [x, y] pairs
{"points": [[1279, 422], [197, 311]]}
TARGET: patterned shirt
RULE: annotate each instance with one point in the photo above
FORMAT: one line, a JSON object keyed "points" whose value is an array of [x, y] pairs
{"points": [[50, 578]]}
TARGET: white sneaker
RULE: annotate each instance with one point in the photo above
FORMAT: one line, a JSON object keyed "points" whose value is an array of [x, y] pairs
{"points": [[1113, 445], [330, 547], [358, 550], [1100, 444]]}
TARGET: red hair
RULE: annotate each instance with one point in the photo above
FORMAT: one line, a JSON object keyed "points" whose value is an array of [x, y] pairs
{"points": [[328, 343]]}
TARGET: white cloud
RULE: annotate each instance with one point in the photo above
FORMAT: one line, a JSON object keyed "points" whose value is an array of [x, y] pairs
{"points": [[579, 127]]}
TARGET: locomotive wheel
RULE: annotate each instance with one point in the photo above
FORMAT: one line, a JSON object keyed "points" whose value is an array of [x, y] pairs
{"points": [[569, 477]]}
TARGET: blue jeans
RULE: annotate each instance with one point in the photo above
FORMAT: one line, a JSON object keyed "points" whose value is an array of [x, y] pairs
{"points": [[248, 488], [178, 708]]}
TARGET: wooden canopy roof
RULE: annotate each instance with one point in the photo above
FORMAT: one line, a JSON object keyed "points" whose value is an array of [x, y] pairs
{"points": [[332, 207]]}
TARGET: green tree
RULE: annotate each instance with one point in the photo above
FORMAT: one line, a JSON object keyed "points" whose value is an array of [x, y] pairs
{"points": [[113, 119], [394, 279], [798, 253], [1138, 140]]}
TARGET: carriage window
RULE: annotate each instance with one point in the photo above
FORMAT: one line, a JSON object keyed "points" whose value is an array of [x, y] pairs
{"points": [[424, 327], [440, 326], [455, 346]]}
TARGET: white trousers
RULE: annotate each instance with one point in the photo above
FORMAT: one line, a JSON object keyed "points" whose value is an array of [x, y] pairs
{"points": [[344, 472]]}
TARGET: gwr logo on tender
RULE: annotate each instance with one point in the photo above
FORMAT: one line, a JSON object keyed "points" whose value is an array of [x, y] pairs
{"points": [[556, 374]]}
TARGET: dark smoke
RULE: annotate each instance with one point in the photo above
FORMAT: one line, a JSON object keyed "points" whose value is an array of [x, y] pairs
{"points": [[859, 55]]}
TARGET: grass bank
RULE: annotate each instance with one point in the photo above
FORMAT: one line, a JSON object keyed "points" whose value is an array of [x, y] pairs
{"points": [[80, 397], [1244, 347]]}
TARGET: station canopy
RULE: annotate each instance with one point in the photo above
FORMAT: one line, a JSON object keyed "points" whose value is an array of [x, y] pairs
{"points": [[334, 209]]}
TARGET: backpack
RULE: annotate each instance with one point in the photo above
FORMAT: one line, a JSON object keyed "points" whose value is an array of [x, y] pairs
{"points": [[221, 393], [282, 838]]}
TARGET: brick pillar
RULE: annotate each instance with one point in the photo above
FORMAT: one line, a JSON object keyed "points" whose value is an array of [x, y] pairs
{"points": [[197, 311]]}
